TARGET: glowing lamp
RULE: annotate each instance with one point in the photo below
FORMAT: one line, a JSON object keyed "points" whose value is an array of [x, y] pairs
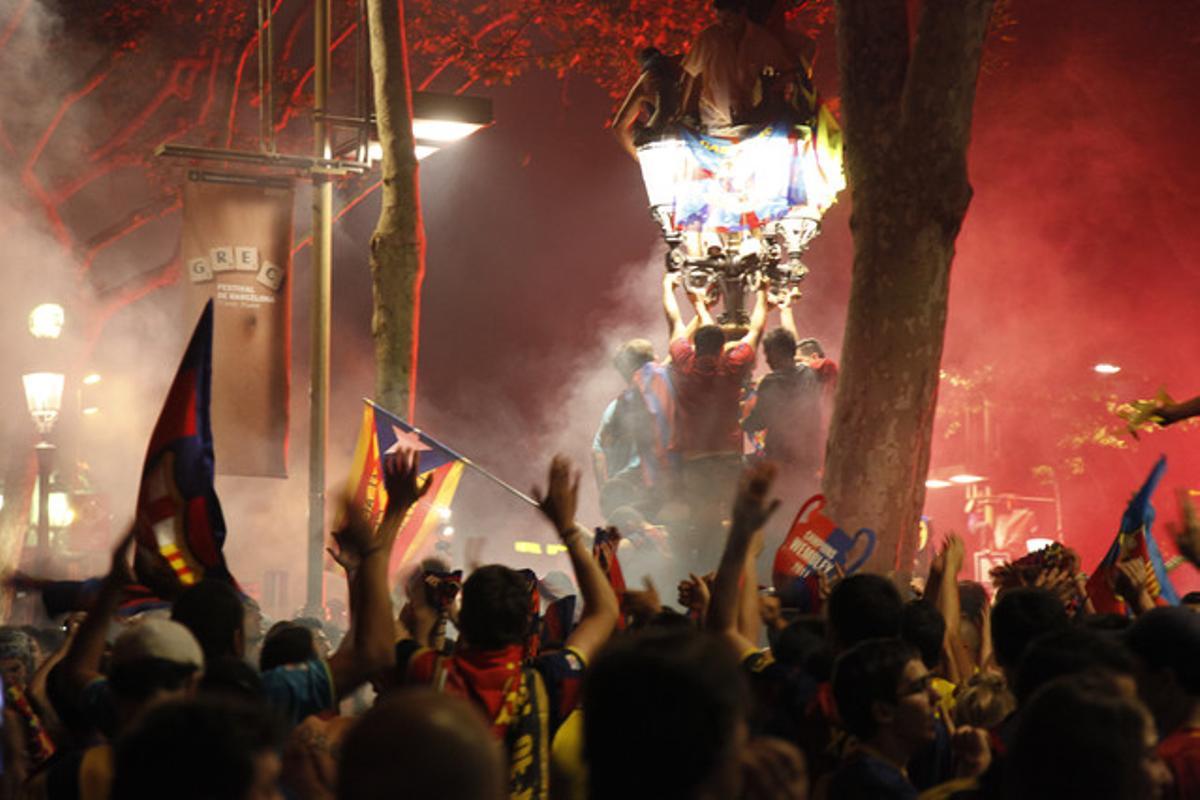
{"points": [[46, 321], [1104, 368], [966, 479], [663, 165], [529, 548], [448, 531], [43, 396], [423, 150], [91, 379], [937, 483], [443, 130], [443, 513], [90, 411], [1036, 543], [59, 511]]}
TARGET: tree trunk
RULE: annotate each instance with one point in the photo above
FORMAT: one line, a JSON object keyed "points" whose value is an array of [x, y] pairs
{"points": [[398, 244], [908, 110]]}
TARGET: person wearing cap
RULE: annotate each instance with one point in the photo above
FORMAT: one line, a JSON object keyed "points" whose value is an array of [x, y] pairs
{"points": [[153, 661]]}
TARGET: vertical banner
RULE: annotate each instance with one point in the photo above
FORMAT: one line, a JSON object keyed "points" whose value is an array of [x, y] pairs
{"points": [[237, 240]]}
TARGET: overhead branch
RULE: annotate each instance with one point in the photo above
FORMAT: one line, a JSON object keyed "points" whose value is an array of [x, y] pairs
{"points": [[14, 22], [179, 85], [160, 208], [296, 100], [346, 209]]}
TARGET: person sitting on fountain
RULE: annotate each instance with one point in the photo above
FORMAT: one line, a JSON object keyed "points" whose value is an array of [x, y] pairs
{"points": [[724, 65], [652, 102]]}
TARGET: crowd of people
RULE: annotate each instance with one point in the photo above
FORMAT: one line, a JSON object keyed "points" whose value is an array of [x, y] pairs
{"points": [[879, 692]]}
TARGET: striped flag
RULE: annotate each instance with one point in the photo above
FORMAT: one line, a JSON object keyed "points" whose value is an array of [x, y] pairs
{"points": [[1134, 540], [180, 528], [381, 434]]}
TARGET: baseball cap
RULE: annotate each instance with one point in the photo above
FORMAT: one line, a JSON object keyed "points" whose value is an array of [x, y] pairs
{"points": [[158, 638]]}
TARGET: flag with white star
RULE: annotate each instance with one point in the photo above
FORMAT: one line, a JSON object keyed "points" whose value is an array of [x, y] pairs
{"points": [[382, 434]]}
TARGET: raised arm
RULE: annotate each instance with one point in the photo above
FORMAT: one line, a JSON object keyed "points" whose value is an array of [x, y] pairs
{"points": [[786, 320], [81, 663], [675, 326], [751, 510], [627, 115], [374, 629], [699, 301], [600, 606], [758, 319]]}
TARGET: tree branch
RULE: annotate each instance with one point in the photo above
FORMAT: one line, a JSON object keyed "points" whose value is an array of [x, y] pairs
{"points": [[176, 86], [160, 208], [295, 102], [13, 23], [307, 240]]}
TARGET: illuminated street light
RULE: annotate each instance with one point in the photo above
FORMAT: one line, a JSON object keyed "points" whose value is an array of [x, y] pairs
{"points": [[1104, 368], [91, 379], [966, 479], [46, 321], [1036, 543], [43, 397], [937, 483]]}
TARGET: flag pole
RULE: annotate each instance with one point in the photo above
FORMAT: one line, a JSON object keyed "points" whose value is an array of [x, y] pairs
{"points": [[508, 487]]}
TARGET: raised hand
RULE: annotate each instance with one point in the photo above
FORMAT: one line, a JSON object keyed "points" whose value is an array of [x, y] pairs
{"points": [[120, 570], [353, 536], [402, 483], [751, 508], [695, 593], [561, 498]]}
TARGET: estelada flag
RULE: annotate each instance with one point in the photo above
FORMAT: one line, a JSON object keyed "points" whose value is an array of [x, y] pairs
{"points": [[381, 434], [179, 518], [1134, 540]]}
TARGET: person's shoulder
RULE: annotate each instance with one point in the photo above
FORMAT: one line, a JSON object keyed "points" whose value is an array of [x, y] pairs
{"points": [[740, 354], [681, 350], [565, 662]]}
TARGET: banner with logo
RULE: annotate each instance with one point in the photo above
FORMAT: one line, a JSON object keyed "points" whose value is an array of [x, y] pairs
{"points": [[237, 240]]}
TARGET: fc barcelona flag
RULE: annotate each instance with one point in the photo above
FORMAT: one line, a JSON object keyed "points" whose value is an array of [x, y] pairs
{"points": [[179, 518], [381, 434], [1134, 540]]}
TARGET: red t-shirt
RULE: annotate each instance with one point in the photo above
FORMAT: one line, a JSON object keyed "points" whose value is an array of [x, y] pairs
{"points": [[1181, 752], [707, 392]]}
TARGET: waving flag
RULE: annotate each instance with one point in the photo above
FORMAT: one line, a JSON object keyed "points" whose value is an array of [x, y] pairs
{"points": [[381, 434], [1134, 540], [180, 529]]}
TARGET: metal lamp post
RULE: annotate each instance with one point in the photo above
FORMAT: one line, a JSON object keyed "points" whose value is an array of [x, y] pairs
{"points": [[43, 396]]}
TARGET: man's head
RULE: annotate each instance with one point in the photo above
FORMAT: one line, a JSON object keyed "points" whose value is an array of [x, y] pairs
{"points": [[154, 659], [730, 13], [780, 346], [1166, 644], [200, 749], [427, 744], [495, 608], [16, 657], [923, 627], [689, 744], [883, 692], [213, 612], [809, 351], [1080, 736], [864, 607], [286, 643], [1019, 617], [1071, 651], [710, 340], [633, 355]]}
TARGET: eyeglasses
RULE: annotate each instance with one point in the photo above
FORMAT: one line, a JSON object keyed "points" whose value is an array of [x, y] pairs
{"points": [[919, 686]]}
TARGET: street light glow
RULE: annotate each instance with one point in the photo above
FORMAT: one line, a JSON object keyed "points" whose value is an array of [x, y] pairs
{"points": [[1104, 368], [43, 397], [966, 479], [937, 483], [91, 379], [443, 130], [46, 321]]}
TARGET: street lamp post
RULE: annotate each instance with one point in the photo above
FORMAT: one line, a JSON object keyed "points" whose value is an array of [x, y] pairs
{"points": [[43, 396]]}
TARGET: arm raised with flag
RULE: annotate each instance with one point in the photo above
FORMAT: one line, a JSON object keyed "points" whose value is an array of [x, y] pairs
{"points": [[600, 606], [372, 627]]}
